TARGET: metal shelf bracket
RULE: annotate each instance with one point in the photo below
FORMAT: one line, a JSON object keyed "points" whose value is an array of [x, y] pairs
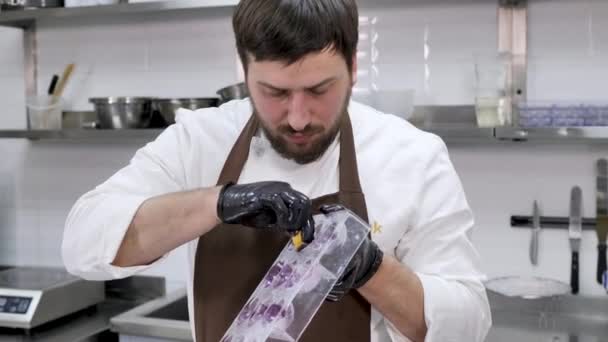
{"points": [[513, 46]]}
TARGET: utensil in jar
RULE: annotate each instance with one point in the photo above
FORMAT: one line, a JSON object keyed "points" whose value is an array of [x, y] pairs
{"points": [[56, 96], [53, 84], [63, 81]]}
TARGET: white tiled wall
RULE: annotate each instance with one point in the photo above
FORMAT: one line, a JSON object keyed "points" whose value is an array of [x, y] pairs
{"points": [[429, 46], [165, 54], [12, 87]]}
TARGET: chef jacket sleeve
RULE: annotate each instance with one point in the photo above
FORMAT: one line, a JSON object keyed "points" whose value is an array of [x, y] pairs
{"points": [[438, 248], [98, 221]]}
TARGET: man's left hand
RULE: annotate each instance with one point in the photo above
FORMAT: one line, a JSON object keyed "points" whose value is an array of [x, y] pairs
{"points": [[364, 264]]}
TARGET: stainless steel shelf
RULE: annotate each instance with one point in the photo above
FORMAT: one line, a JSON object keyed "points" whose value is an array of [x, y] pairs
{"points": [[24, 17], [554, 135], [454, 123], [451, 134], [462, 134], [448, 134], [83, 134]]}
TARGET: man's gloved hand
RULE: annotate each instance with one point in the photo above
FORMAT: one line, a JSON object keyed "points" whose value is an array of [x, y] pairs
{"points": [[267, 205], [364, 264]]}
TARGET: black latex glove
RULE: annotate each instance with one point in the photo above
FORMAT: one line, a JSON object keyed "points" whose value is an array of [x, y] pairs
{"points": [[267, 205], [364, 264]]}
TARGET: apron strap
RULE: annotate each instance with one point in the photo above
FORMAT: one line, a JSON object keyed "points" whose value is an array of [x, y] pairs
{"points": [[349, 172], [239, 153]]}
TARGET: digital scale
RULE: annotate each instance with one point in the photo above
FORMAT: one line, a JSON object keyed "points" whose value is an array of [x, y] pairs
{"points": [[31, 296]]}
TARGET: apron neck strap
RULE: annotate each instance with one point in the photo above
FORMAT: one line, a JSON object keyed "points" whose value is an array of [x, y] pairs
{"points": [[239, 153], [349, 172]]}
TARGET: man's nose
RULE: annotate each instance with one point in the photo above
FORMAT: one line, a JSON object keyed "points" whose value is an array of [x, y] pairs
{"points": [[299, 116]]}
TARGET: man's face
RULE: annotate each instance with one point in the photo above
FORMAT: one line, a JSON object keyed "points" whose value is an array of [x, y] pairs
{"points": [[300, 105]]}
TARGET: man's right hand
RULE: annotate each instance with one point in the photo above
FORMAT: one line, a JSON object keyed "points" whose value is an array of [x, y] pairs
{"points": [[267, 205]]}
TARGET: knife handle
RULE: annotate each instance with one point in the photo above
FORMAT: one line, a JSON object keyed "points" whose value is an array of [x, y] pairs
{"points": [[574, 273], [601, 261], [534, 247]]}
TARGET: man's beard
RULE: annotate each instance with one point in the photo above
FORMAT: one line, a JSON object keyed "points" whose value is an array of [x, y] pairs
{"points": [[323, 138]]}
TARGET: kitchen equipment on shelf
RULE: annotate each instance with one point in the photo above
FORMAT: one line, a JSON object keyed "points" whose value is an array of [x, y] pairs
{"points": [[78, 119], [31, 296], [233, 92], [535, 234], [168, 107], [492, 104], [575, 233], [29, 4], [562, 114], [527, 287], [83, 3], [44, 112], [124, 112], [296, 285], [601, 227]]}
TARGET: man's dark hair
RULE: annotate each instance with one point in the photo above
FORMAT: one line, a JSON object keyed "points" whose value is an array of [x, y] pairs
{"points": [[287, 30]]}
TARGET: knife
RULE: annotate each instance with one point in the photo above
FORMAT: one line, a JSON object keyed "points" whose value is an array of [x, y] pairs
{"points": [[601, 227], [535, 231], [575, 232]]}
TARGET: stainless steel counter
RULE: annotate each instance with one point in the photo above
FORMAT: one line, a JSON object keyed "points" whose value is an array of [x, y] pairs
{"points": [[163, 318], [569, 318], [93, 324], [89, 325]]}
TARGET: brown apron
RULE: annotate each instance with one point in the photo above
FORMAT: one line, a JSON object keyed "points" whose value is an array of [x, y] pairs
{"points": [[231, 260]]}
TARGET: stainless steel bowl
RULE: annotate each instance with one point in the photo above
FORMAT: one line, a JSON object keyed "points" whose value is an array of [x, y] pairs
{"points": [[233, 92], [122, 112], [168, 107], [29, 4]]}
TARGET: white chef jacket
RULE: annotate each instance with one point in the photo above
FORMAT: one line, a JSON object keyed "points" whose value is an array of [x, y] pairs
{"points": [[414, 198]]}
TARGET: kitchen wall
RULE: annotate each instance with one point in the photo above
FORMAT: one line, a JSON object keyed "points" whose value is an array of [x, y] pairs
{"points": [[428, 46]]}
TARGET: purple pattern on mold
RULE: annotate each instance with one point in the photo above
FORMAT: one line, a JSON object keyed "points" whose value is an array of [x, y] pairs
{"points": [[272, 273], [248, 311], [272, 313]]}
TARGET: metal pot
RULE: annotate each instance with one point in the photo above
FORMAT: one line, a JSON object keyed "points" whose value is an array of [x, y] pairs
{"points": [[168, 107], [27, 4], [233, 92], [122, 112]]}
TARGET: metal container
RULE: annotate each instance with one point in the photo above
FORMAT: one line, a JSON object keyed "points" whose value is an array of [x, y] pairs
{"points": [[168, 107], [233, 92], [29, 4], [122, 112]]}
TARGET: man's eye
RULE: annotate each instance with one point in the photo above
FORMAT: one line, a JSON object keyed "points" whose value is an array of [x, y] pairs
{"points": [[277, 93], [317, 92]]}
